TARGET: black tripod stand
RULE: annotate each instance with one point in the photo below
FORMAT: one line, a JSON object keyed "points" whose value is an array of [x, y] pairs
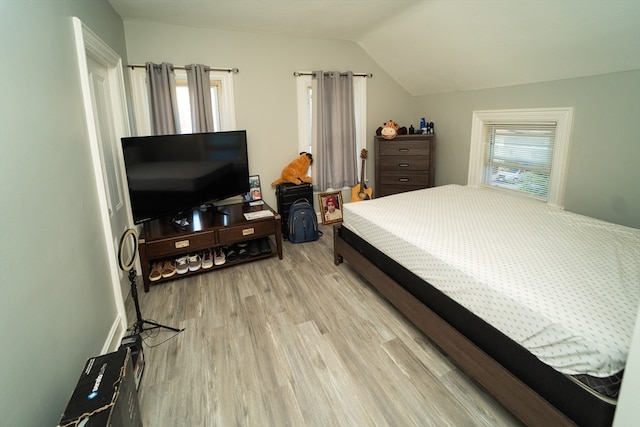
{"points": [[127, 265]]}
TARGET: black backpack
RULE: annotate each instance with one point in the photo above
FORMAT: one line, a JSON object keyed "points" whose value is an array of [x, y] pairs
{"points": [[303, 223]]}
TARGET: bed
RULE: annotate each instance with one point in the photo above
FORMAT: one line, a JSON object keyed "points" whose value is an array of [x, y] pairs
{"points": [[535, 303]]}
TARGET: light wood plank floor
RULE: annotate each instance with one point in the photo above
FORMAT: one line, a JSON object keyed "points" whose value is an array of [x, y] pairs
{"points": [[297, 342]]}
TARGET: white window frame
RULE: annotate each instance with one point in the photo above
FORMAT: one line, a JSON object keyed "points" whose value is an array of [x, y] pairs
{"points": [[140, 98], [306, 129], [306, 124], [564, 120]]}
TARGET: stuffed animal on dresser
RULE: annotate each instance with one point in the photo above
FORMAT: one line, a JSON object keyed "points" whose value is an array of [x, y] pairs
{"points": [[296, 171]]}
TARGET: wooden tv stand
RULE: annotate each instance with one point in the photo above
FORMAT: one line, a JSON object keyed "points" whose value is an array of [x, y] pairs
{"points": [[214, 227]]}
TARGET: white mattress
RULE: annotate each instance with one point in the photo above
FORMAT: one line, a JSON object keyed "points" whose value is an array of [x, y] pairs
{"points": [[564, 286]]}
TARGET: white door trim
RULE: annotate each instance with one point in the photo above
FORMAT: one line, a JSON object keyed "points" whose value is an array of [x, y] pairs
{"points": [[89, 44]]}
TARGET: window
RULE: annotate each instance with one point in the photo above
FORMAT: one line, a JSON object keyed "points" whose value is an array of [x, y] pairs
{"points": [[184, 106], [306, 126], [521, 151], [305, 113], [222, 100]]}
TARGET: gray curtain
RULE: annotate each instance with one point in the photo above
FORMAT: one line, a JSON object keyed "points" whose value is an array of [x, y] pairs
{"points": [[200, 97], [163, 105], [336, 157]]}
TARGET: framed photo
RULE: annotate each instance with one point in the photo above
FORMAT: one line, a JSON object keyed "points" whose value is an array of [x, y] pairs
{"points": [[255, 192], [331, 207]]}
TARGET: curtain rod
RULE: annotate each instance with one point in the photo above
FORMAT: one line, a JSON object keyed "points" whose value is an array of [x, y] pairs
{"points": [[309, 73], [229, 70]]}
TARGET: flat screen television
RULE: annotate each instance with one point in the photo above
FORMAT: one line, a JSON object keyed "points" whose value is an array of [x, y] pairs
{"points": [[170, 174]]}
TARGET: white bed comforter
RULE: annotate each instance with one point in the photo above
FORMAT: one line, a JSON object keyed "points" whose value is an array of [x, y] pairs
{"points": [[564, 286]]}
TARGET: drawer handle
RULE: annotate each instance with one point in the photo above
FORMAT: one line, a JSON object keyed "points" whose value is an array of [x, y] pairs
{"points": [[403, 179], [182, 244], [403, 150], [403, 165], [248, 231]]}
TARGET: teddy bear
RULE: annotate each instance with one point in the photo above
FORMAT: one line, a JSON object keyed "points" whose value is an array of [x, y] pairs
{"points": [[296, 171], [390, 129]]}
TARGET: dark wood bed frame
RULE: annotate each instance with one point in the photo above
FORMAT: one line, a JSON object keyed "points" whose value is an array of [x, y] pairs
{"points": [[511, 392]]}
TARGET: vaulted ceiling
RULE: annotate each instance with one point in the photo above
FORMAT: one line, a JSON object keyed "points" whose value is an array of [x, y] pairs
{"points": [[432, 46]]}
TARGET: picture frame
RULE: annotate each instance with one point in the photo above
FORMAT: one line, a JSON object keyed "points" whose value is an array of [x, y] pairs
{"points": [[330, 207], [255, 191]]}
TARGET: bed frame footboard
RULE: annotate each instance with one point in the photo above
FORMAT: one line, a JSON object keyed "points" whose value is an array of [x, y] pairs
{"points": [[512, 393]]}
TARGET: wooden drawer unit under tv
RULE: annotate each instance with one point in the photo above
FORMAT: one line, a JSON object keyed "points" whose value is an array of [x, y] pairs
{"points": [[404, 163], [211, 228], [188, 242], [250, 231]]}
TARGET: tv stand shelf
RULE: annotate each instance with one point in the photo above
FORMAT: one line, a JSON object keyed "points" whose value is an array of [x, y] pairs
{"points": [[207, 229]]}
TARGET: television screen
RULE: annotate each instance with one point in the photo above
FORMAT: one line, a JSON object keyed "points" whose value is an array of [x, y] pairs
{"points": [[169, 174]]}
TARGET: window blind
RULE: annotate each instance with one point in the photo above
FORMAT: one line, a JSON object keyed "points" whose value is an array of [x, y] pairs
{"points": [[519, 156]]}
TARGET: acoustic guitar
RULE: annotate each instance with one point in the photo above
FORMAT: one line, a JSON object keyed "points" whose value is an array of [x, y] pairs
{"points": [[360, 191]]}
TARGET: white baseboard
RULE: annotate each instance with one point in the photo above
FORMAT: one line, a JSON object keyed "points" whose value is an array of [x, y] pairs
{"points": [[116, 333]]}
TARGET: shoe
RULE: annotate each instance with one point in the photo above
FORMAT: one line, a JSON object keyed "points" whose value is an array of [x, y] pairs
{"points": [[182, 266], [207, 259], [231, 253], [265, 246], [243, 251], [156, 271], [219, 258], [168, 268], [254, 248], [194, 262]]}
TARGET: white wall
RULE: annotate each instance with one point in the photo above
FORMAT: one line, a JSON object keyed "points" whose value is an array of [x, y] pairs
{"points": [[265, 86], [56, 299]]}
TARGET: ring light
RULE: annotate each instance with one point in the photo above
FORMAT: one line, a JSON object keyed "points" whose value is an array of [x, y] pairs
{"points": [[127, 265]]}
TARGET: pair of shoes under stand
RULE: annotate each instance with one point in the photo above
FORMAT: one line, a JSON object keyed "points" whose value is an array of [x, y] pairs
{"points": [[166, 268]]}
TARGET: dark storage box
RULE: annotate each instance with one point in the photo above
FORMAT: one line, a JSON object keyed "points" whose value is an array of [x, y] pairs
{"points": [[286, 194], [134, 343], [106, 394]]}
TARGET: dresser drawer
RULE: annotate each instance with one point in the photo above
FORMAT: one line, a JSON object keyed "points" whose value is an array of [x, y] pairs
{"points": [[404, 148], [251, 230], [405, 179], [403, 163], [186, 243]]}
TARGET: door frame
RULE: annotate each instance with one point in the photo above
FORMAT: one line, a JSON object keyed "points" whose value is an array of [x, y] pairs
{"points": [[89, 44]]}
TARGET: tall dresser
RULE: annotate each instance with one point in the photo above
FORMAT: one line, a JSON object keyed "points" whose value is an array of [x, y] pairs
{"points": [[404, 163]]}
